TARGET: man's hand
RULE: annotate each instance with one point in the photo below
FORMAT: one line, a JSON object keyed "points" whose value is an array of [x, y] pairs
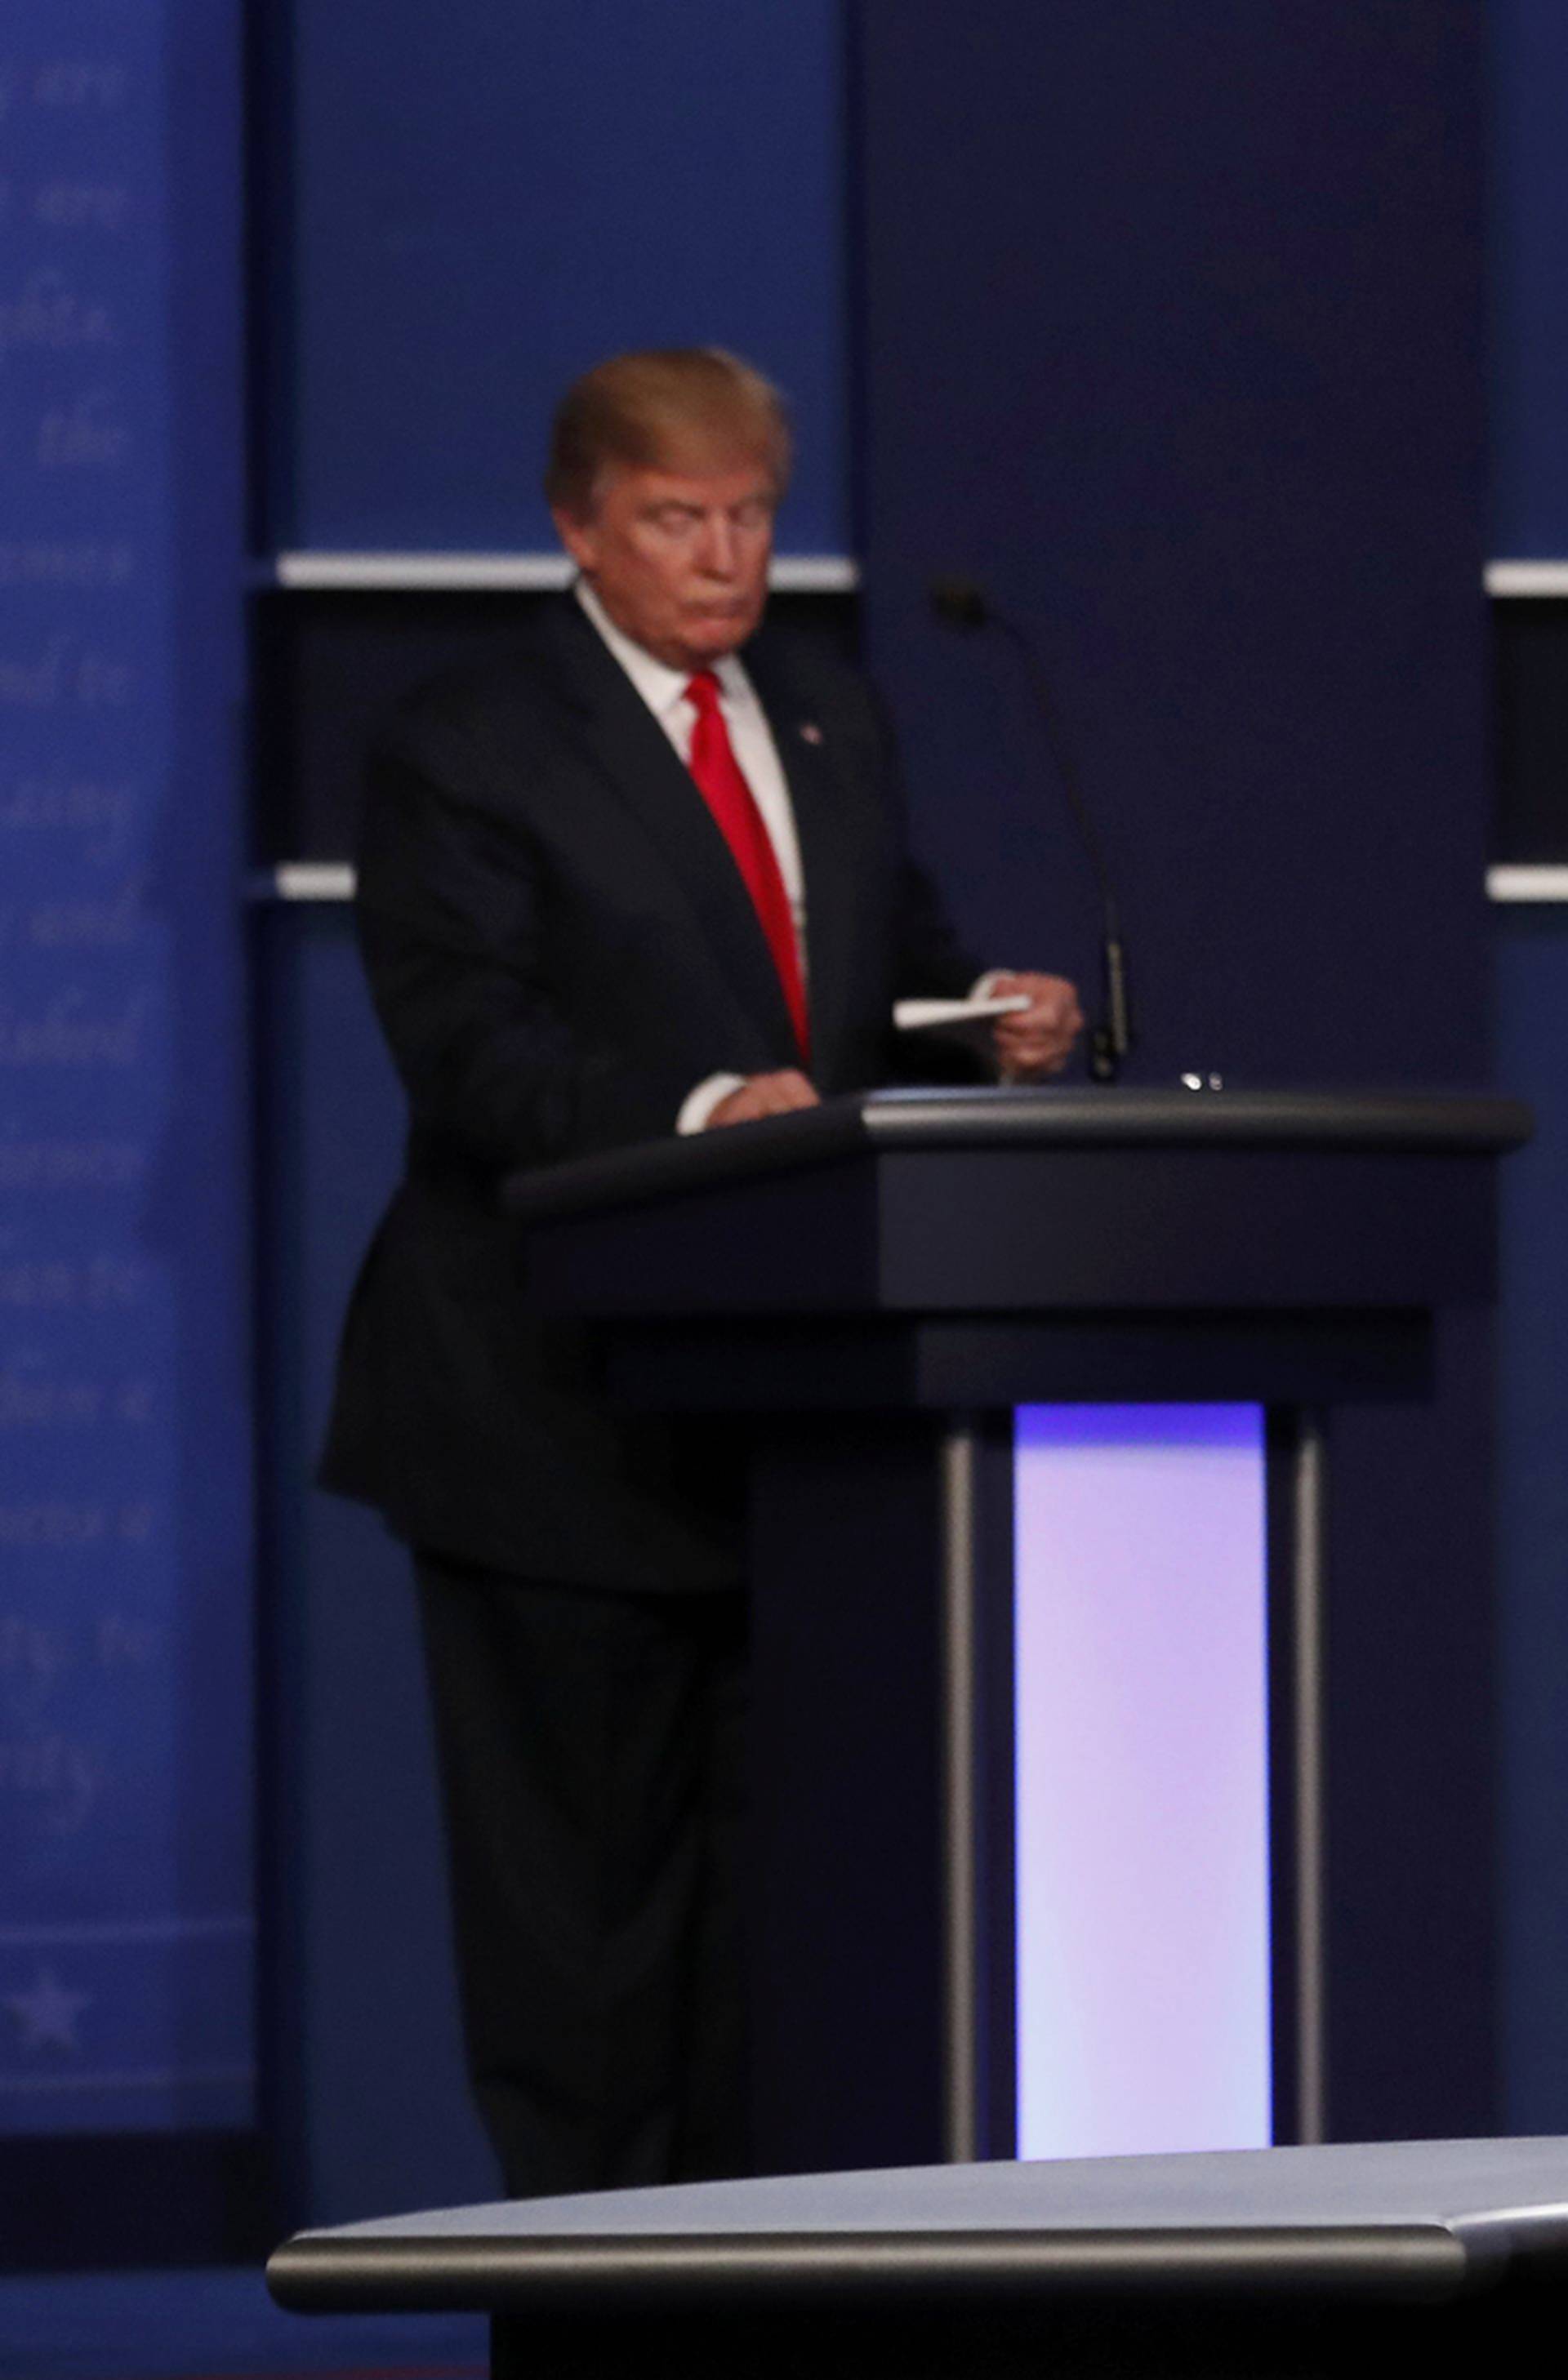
{"points": [[766, 1095], [1038, 1041]]}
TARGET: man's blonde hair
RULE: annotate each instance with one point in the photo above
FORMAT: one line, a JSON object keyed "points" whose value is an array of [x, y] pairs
{"points": [[684, 409]]}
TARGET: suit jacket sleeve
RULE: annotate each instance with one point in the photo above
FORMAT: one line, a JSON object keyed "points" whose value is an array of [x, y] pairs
{"points": [[454, 926]]}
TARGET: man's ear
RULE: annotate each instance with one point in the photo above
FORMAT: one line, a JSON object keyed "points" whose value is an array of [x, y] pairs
{"points": [[579, 538]]}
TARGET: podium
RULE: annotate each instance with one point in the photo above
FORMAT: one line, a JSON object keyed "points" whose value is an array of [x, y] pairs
{"points": [[873, 1291]]}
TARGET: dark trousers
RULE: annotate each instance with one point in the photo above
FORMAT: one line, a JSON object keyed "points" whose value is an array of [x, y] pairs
{"points": [[590, 1747]]}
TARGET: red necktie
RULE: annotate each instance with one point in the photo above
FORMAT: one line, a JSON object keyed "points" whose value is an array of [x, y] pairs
{"points": [[739, 820]]}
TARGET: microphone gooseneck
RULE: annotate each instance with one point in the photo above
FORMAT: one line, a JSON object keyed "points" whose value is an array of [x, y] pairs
{"points": [[960, 604]]}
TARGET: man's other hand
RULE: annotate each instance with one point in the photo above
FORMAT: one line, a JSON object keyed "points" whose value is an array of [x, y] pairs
{"points": [[766, 1095], [1038, 1041]]}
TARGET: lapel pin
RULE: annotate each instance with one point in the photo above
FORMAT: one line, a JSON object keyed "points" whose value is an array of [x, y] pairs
{"points": [[809, 732]]}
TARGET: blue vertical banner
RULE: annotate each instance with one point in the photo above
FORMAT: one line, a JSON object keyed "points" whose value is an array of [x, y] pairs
{"points": [[126, 1867]]}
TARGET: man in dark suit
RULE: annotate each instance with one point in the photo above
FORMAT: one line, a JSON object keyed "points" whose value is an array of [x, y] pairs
{"points": [[631, 884]]}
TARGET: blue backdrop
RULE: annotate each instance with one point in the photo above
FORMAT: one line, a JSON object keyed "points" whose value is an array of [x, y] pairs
{"points": [[1174, 337], [124, 1527], [408, 223], [467, 206], [1528, 350], [458, 211], [1527, 59]]}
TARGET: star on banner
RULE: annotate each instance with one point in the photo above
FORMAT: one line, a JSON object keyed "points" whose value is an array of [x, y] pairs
{"points": [[47, 2014]]}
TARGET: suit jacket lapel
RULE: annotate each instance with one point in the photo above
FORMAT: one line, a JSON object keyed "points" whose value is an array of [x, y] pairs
{"points": [[632, 752], [809, 767]]}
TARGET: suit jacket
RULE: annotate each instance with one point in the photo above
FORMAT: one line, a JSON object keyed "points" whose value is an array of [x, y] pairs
{"points": [[560, 947]]}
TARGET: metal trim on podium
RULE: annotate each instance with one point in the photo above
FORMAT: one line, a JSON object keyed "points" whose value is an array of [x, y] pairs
{"points": [[1433, 2255]]}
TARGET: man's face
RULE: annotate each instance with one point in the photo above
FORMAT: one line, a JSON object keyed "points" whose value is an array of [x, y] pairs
{"points": [[679, 563]]}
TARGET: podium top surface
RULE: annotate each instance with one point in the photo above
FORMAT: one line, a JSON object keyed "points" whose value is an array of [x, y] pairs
{"points": [[1404, 2220], [1066, 1117]]}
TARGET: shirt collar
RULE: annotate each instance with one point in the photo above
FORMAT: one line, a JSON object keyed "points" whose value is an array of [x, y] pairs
{"points": [[660, 687]]}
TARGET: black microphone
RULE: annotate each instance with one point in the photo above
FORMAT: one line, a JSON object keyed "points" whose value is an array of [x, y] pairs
{"points": [[959, 603]]}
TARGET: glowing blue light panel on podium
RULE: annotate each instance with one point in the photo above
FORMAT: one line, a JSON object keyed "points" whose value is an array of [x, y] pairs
{"points": [[1142, 1843]]}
